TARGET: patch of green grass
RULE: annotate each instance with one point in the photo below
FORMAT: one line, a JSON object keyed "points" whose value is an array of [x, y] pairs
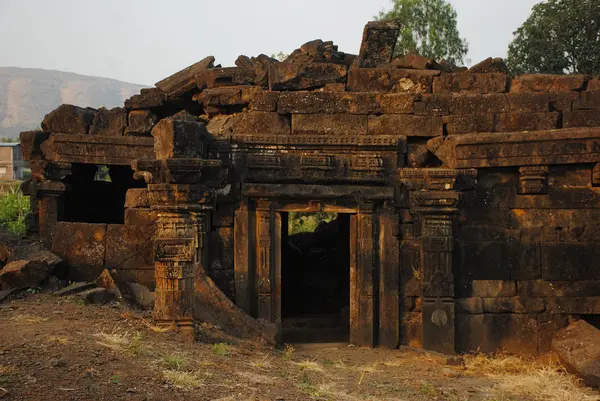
{"points": [[115, 379], [221, 349], [427, 388], [309, 388], [14, 207]]}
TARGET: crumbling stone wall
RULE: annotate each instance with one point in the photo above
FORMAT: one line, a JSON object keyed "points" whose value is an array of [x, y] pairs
{"points": [[473, 195]]}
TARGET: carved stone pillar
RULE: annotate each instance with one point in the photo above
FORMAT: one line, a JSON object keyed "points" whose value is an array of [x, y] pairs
{"points": [[182, 191], [263, 259], [435, 199]]}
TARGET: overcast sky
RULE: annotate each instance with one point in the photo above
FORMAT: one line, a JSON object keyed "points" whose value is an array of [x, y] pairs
{"points": [[142, 41]]}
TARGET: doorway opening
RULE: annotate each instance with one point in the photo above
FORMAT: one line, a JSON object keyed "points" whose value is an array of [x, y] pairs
{"points": [[315, 277]]}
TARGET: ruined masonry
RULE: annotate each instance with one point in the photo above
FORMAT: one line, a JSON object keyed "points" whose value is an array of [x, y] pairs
{"points": [[468, 206]]}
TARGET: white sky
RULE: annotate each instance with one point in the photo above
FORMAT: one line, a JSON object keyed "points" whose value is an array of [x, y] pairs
{"points": [[143, 41]]}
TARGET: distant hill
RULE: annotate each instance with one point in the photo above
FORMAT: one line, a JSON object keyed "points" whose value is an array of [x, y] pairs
{"points": [[28, 94]]}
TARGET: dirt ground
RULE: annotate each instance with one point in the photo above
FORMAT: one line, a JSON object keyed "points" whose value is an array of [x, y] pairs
{"points": [[54, 348]]}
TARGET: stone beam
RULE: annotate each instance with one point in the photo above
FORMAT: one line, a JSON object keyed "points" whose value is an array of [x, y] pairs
{"points": [[565, 146], [317, 191], [108, 150]]}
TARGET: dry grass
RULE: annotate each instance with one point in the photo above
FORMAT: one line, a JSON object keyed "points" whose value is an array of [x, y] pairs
{"points": [[130, 343], [175, 361], [309, 365], [58, 339], [519, 377], [263, 362], [31, 319], [182, 380]]}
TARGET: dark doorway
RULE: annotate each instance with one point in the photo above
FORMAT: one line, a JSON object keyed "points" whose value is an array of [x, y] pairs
{"points": [[315, 278]]}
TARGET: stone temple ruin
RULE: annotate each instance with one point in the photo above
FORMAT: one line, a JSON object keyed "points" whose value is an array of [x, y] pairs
{"points": [[467, 203]]}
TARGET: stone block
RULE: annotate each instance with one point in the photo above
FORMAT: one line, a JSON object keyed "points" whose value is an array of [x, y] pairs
{"points": [[82, 246], [578, 349], [438, 326], [288, 76], [148, 98], [493, 288], [24, 274], [473, 305], [562, 101], [109, 122], [69, 119], [569, 261], [543, 288], [489, 333], [547, 83], [179, 139], [31, 142], [184, 81], [513, 305], [514, 122], [528, 102], [593, 84], [418, 155], [137, 197], [378, 43], [257, 122], [548, 326], [416, 62], [573, 305], [490, 65], [581, 118], [140, 122], [392, 124], [411, 329], [220, 267], [304, 102], [470, 83], [260, 100], [469, 123], [393, 80], [219, 77], [587, 101], [329, 124]]}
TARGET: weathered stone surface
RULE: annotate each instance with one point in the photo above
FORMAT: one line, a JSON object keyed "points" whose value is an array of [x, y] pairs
{"points": [[578, 349], [512, 122], [378, 43], [473, 305], [405, 125], [488, 333], [137, 197], [317, 51], [289, 76], [490, 65], [588, 101], [513, 305], [184, 81], [98, 296], [109, 122], [470, 83], [76, 288], [547, 83], [542, 288], [218, 77], [82, 246], [565, 146], [563, 101], [304, 102], [147, 99], [417, 62], [493, 288], [329, 124], [573, 305], [31, 142], [69, 119], [140, 122], [5, 294], [388, 79], [254, 122], [593, 84], [581, 118], [23, 274], [177, 138], [468, 123], [142, 296]]}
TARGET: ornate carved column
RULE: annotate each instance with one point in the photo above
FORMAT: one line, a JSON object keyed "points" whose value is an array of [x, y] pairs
{"points": [[434, 197], [182, 191]]}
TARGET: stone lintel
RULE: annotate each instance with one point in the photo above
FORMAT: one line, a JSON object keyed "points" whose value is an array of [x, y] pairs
{"points": [[317, 191]]}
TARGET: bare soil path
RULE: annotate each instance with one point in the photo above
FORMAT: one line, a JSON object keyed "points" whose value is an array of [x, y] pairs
{"points": [[54, 348]]}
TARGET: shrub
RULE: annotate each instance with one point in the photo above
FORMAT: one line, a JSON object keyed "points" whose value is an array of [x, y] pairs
{"points": [[14, 206]]}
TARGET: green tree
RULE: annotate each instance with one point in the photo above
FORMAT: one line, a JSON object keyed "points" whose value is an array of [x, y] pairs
{"points": [[428, 28], [559, 37]]}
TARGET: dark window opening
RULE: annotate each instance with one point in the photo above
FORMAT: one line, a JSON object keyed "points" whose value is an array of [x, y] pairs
{"points": [[315, 287], [96, 194], [594, 320]]}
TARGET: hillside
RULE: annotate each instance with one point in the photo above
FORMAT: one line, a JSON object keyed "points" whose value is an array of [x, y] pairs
{"points": [[27, 94]]}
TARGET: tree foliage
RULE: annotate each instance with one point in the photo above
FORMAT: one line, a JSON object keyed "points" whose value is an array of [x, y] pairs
{"points": [[14, 207], [559, 37], [428, 28], [299, 222]]}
